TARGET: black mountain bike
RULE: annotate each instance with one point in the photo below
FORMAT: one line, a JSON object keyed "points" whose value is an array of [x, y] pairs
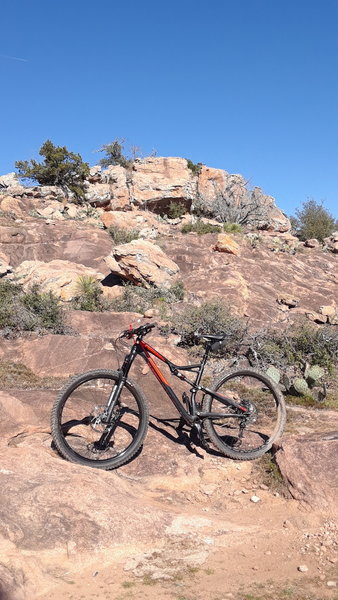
{"points": [[100, 418]]}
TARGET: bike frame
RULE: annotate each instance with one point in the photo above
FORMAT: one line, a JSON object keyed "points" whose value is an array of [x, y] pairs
{"points": [[194, 414]]}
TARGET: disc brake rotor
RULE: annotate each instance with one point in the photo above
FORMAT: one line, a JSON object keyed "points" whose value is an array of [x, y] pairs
{"points": [[97, 418]]}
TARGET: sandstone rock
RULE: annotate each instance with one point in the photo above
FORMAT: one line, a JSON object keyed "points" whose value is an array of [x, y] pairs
{"points": [[226, 243], [217, 184], [5, 268], [143, 263], [313, 243], [48, 191], [51, 211], [95, 174], [155, 182], [158, 181], [71, 211], [288, 300], [132, 220], [58, 276], [112, 190], [329, 311], [148, 233], [11, 205], [309, 467], [17, 190], [8, 180], [316, 317], [98, 194], [75, 242]]}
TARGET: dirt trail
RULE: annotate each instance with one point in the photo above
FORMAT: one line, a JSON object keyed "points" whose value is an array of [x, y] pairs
{"points": [[220, 543]]}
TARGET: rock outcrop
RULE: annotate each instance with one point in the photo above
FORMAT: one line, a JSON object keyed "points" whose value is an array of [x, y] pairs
{"points": [[309, 467], [142, 263], [154, 183], [61, 277]]}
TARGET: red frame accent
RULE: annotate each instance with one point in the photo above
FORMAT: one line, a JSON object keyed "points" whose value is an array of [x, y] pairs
{"points": [[155, 369]]}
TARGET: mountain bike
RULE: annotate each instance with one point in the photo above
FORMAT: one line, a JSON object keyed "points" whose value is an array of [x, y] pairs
{"points": [[100, 418]]}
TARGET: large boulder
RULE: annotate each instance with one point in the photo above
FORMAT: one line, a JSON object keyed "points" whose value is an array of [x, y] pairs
{"points": [[309, 467], [58, 276], [226, 243], [108, 188], [143, 263], [8, 180], [158, 181]]}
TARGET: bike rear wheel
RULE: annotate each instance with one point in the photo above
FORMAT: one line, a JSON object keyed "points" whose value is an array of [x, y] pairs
{"points": [[232, 434], [78, 420]]}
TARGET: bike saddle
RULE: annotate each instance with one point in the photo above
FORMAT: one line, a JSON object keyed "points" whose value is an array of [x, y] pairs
{"points": [[212, 338]]}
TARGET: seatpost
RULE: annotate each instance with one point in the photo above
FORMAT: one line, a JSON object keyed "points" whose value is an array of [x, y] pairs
{"points": [[204, 360]]}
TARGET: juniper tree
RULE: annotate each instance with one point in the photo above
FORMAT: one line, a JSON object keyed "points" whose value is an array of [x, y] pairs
{"points": [[59, 167]]}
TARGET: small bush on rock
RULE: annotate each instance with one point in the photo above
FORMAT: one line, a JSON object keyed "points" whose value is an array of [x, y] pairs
{"points": [[312, 220], [122, 236], [29, 311], [89, 295], [296, 345], [114, 154], [195, 168], [211, 318], [200, 228], [140, 299], [232, 228], [176, 210]]}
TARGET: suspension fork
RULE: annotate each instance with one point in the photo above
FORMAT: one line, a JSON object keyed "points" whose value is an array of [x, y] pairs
{"points": [[117, 388], [113, 399]]}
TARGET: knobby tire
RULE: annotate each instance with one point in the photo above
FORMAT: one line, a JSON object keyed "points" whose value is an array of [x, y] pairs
{"points": [[270, 414], [75, 420]]}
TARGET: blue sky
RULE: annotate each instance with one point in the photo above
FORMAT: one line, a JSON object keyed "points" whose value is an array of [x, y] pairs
{"points": [[250, 86]]}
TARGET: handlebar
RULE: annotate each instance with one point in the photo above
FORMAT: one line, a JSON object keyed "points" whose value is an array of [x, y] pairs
{"points": [[139, 331]]}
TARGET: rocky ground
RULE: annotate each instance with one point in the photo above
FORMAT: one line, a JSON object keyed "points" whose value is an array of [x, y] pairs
{"points": [[177, 522]]}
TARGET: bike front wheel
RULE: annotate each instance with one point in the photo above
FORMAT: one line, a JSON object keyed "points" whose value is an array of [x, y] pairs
{"points": [[79, 420], [236, 436]]}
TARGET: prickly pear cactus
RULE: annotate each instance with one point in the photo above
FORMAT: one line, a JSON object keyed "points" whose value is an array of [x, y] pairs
{"points": [[300, 386], [313, 374], [274, 374]]}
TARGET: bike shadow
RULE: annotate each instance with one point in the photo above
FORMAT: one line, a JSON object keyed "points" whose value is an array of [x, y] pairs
{"points": [[184, 435]]}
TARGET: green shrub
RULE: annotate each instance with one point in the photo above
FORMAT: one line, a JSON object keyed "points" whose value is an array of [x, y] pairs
{"points": [[59, 167], [17, 375], [195, 168], [140, 299], [177, 290], [29, 311], [176, 210], [232, 228], [200, 228], [296, 345], [89, 295], [114, 154], [211, 317], [122, 236], [312, 220]]}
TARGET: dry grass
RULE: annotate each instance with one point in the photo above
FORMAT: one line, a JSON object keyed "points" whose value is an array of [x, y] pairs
{"points": [[18, 376]]}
